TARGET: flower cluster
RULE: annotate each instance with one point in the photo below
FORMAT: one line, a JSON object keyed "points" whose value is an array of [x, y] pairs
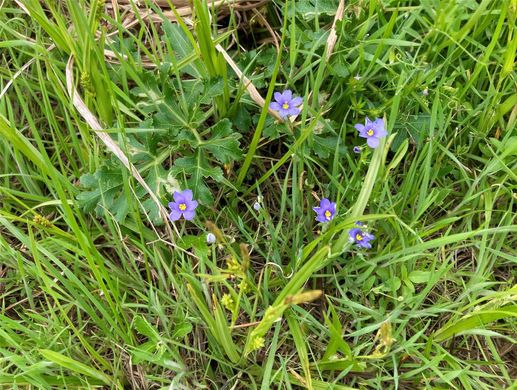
{"points": [[288, 105]]}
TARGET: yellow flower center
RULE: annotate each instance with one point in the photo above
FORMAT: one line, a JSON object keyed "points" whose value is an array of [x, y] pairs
{"points": [[358, 237], [182, 206], [285, 106], [369, 132], [328, 214]]}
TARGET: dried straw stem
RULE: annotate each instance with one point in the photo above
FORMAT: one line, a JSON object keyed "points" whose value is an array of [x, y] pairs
{"points": [[112, 146]]}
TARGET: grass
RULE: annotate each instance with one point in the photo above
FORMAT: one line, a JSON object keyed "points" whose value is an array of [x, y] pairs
{"points": [[97, 291]]}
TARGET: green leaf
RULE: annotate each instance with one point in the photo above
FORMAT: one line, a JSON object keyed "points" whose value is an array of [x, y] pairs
{"points": [[103, 191], [181, 330], [212, 88], [198, 168], [474, 320], [224, 142], [74, 365], [312, 8], [326, 146], [145, 328], [182, 48], [420, 276]]}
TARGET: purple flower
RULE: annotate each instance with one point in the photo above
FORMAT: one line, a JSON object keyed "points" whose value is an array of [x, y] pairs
{"points": [[325, 212], [357, 149], [183, 204], [372, 131], [285, 104], [362, 239]]}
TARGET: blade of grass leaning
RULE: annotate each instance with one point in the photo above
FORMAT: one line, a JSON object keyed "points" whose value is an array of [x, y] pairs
{"points": [[74, 365], [299, 339]]}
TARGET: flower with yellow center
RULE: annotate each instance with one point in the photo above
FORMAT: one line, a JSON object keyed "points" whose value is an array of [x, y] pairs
{"points": [[183, 205], [373, 131], [326, 210], [361, 238], [286, 104]]}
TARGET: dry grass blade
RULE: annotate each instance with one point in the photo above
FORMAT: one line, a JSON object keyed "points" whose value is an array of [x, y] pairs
{"points": [[331, 40], [94, 123], [252, 90]]}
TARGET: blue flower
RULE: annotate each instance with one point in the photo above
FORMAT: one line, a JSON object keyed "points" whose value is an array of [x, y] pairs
{"points": [[357, 149], [326, 211], [372, 131], [360, 238], [183, 205], [285, 104]]}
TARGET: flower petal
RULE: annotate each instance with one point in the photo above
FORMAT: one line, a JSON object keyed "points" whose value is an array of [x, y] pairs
{"points": [[283, 113], [287, 95], [275, 106], [189, 215], [325, 203], [178, 197], [278, 97], [191, 206], [175, 215], [379, 128], [373, 142], [359, 127], [187, 195], [293, 111], [321, 218], [369, 236], [296, 101], [365, 244]]}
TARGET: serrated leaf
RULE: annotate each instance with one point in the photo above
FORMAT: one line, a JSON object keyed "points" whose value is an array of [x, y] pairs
{"points": [[242, 119], [313, 8], [223, 143], [211, 89], [182, 47], [198, 168], [326, 146], [272, 128], [181, 330], [103, 191], [145, 328]]}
